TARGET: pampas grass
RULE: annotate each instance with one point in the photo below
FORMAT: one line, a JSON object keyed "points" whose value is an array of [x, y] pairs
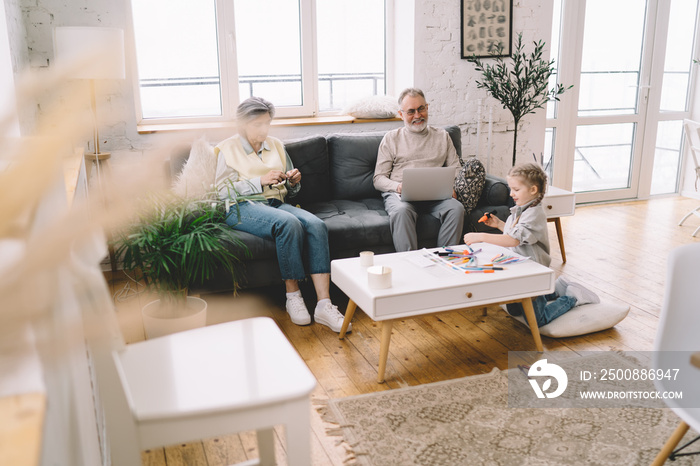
{"points": [[30, 169]]}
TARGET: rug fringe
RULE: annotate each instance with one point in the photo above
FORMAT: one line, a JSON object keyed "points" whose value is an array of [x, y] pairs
{"points": [[336, 430], [321, 406], [351, 455]]}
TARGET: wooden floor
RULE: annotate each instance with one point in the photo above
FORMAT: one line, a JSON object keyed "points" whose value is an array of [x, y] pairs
{"points": [[617, 250]]}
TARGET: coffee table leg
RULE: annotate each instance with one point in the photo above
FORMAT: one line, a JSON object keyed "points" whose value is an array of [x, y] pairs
{"points": [[532, 322], [384, 348], [349, 312]]}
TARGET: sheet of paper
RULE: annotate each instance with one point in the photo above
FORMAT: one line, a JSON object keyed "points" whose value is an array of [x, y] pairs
{"points": [[423, 258]]}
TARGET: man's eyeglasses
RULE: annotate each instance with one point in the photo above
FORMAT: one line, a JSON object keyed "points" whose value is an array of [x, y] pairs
{"points": [[412, 111]]}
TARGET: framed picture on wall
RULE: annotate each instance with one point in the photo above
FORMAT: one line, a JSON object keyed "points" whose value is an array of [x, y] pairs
{"points": [[485, 25]]}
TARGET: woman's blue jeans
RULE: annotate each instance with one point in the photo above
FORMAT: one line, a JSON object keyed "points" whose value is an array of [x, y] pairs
{"points": [[545, 312], [299, 235]]}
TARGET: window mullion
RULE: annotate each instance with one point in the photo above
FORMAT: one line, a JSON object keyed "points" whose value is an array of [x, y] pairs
{"points": [[227, 57], [389, 49], [309, 60]]}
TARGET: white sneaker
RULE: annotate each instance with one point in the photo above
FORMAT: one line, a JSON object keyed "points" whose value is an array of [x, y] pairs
{"points": [[297, 310], [560, 286], [330, 316], [582, 294]]}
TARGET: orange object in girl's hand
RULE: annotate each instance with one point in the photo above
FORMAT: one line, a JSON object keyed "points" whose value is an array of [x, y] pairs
{"points": [[486, 216]]}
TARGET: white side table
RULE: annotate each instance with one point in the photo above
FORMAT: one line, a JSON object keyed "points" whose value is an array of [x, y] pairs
{"points": [[221, 379], [558, 203]]}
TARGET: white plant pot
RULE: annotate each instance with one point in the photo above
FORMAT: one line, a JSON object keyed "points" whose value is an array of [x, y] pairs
{"points": [[158, 321]]}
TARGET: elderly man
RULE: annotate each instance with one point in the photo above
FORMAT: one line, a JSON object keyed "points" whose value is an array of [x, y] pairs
{"points": [[416, 145]]}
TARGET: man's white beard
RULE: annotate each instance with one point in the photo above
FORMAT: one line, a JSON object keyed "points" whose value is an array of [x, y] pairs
{"points": [[417, 128]]}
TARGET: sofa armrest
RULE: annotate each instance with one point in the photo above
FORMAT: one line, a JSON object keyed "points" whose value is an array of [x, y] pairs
{"points": [[495, 192], [494, 198]]}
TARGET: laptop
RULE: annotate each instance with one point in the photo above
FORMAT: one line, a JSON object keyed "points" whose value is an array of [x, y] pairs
{"points": [[428, 183]]}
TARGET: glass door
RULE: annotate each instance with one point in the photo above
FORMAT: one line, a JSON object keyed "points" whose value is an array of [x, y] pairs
{"points": [[603, 135], [613, 91], [670, 100]]}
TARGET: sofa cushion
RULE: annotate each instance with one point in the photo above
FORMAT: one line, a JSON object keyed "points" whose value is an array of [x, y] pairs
{"points": [[310, 156], [352, 161], [353, 158], [176, 162], [198, 176], [353, 225], [376, 106], [469, 184]]}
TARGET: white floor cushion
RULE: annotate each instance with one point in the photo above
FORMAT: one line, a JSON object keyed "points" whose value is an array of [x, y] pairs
{"points": [[584, 319]]}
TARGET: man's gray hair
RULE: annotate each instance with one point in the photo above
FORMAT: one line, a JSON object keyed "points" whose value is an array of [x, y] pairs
{"points": [[252, 108], [411, 91]]}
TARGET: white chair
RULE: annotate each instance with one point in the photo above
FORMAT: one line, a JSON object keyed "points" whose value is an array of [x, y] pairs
{"points": [[692, 134], [677, 341], [217, 380]]}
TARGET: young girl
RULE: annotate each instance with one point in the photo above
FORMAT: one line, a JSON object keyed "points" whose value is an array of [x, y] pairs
{"points": [[525, 232]]}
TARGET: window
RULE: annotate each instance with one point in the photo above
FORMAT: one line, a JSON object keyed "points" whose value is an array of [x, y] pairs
{"points": [[198, 60]]}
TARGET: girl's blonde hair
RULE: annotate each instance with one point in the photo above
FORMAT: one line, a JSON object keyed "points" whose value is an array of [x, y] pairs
{"points": [[532, 175]]}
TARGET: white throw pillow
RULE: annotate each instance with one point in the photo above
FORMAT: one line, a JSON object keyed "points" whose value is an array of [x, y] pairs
{"points": [[197, 177], [377, 106], [584, 319]]}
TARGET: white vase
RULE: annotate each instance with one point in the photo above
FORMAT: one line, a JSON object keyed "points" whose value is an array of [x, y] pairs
{"points": [[158, 321]]}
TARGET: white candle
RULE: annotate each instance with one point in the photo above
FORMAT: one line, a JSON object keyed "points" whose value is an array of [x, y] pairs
{"points": [[366, 258], [379, 277]]}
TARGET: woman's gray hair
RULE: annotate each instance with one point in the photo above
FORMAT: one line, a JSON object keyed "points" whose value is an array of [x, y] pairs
{"points": [[252, 108]]}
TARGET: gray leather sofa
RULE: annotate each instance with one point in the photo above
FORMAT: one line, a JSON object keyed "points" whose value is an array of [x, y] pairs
{"points": [[337, 171]]}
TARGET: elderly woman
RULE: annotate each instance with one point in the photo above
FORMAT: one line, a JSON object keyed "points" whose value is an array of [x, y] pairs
{"points": [[251, 162]]}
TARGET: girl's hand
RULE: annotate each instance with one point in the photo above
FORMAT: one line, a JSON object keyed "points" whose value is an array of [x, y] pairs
{"points": [[492, 221], [294, 177], [272, 177], [471, 238]]}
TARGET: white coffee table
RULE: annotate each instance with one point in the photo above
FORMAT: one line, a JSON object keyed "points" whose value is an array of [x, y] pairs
{"points": [[418, 291], [559, 203]]}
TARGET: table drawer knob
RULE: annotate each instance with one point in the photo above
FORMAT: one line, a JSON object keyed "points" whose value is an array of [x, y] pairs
{"points": [[549, 207], [469, 294]]}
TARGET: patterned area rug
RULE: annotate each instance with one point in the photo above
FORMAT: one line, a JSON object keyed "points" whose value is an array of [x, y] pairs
{"points": [[467, 422]]}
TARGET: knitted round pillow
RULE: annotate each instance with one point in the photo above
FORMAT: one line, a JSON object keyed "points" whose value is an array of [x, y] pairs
{"points": [[470, 183]]}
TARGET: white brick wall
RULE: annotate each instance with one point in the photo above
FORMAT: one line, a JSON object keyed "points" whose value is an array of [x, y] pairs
{"points": [[448, 80], [17, 38]]}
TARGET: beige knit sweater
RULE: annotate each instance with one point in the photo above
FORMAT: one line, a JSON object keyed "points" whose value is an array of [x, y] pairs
{"points": [[401, 149]]}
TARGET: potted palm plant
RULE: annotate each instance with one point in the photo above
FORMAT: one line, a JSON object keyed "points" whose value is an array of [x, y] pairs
{"points": [[172, 245]]}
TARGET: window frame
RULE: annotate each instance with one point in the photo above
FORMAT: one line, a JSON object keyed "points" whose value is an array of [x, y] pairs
{"points": [[228, 69]]}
